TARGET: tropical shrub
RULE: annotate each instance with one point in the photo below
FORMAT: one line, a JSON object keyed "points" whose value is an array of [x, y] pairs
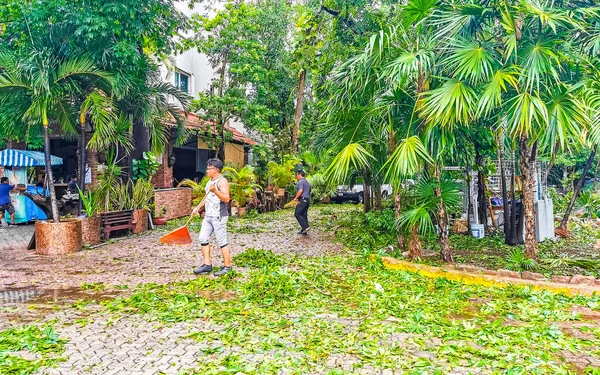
{"points": [[242, 184], [90, 201], [146, 167], [198, 191], [142, 194]]}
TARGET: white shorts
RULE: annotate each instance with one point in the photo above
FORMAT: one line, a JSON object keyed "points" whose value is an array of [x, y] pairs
{"points": [[216, 225]]}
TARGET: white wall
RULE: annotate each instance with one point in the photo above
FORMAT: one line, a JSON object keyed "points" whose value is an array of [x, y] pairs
{"points": [[193, 63]]}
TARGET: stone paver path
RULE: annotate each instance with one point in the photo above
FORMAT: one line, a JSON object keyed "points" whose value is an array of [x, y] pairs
{"points": [[15, 237], [31, 286], [141, 259]]}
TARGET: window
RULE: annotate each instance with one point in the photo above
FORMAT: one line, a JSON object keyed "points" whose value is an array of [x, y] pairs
{"points": [[182, 81]]}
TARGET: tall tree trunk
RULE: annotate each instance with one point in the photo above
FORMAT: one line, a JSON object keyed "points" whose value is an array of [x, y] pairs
{"points": [[445, 252], [506, 211], [481, 196], [414, 245], [397, 211], [82, 162], [528, 211], [586, 169], [377, 188], [220, 126], [299, 111], [367, 192], [50, 176], [141, 140], [512, 236]]}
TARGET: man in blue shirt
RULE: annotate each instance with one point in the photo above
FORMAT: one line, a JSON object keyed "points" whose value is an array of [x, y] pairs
{"points": [[303, 199], [5, 204]]}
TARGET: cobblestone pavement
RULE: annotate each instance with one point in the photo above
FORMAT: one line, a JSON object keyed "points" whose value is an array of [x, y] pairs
{"points": [[32, 286], [12, 238], [107, 344], [141, 259]]}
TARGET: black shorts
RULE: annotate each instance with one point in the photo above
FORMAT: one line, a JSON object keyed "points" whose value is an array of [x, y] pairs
{"points": [[8, 207]]}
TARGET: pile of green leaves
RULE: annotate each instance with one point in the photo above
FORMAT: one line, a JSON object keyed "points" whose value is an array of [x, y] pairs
{"points": [[38, 340], [367, 233], [298, 313]]}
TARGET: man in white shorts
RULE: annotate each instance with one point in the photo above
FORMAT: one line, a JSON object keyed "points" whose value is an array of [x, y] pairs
{"points": [[215, 218]]}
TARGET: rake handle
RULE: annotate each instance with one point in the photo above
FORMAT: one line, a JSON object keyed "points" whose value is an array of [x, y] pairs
{"points": [[189, 220]]}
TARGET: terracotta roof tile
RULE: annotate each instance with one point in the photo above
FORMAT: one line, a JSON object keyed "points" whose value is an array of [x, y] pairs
{"points": [[195, 122]]}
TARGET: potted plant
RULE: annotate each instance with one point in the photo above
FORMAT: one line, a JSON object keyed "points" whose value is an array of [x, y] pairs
{"points": [[160, 219], [242, 186], [281, 175], [90, 224], [142, 194]]}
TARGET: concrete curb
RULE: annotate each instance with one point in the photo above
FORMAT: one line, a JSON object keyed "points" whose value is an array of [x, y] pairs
{"points": [[487, 280]]}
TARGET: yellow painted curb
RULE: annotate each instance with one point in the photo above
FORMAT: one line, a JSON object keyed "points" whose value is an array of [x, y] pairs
{"points": [[486, 280]]}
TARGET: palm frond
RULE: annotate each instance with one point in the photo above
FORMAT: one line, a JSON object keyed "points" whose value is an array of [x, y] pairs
{"points": [[407, 159], [352, 157], [452, 103]]}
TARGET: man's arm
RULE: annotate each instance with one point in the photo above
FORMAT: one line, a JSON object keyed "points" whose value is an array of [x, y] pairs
{"points": [[17, 188], [298, 194]]}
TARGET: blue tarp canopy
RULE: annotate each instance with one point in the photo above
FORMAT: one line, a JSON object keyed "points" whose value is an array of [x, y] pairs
{"points": [[23, 158]]}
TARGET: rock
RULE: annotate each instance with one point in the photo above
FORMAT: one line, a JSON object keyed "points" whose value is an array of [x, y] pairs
{"points": [[469, 268], [561, 279], [405, 254], [597, 245], [490, 272], [508, 273], [582, 280], [460, 226], [533, 276], [597, 282]]}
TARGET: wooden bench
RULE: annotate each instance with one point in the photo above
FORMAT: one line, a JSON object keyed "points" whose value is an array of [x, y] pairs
{"points": [[116, 220]]}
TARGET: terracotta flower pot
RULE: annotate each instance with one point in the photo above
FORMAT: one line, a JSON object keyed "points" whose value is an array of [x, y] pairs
{"points": [[90, 230], [241, 211], [281, 192], [161, 220], [140, 219], [58, 238]]}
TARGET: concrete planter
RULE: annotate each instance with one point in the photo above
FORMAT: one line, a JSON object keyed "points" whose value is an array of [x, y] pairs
{"points": [[90, 230], [58, 238], [140, 221]]}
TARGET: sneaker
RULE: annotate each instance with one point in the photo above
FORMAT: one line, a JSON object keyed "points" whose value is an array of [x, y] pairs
{"points": [[12, 224], [304, 231], [203, 269], [223, 271]]}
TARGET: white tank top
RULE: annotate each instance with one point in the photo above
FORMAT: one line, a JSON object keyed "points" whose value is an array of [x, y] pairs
{"points": [[214, 206]]}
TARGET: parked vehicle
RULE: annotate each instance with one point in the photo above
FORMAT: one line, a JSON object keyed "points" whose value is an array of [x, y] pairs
{"points": [[356, 195], [345, 194]]}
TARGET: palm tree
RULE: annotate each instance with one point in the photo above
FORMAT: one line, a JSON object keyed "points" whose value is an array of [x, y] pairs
{"points": [[511, 60], [51, 87], [429, 195], [152, 105]]}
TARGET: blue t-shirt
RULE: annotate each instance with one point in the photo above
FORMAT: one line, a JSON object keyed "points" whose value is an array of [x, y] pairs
{"points": [[4, 197]]}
